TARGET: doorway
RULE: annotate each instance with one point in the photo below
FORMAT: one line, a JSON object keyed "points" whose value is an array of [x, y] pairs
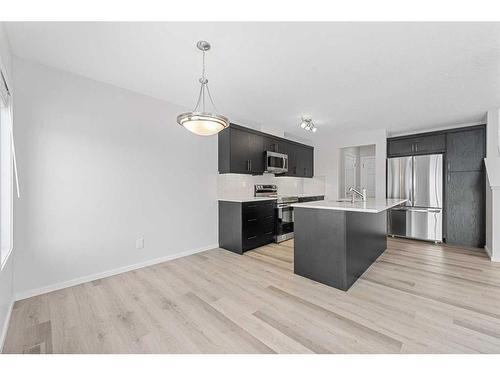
{"points": [[357, 170]]}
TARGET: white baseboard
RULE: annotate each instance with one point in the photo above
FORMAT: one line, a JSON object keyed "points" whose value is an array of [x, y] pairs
{"points": [[80, 280], [3, 333], [488, 251]]}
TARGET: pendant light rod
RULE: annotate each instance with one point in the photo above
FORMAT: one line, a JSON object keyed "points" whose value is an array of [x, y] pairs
{"points": [[204, 89]]}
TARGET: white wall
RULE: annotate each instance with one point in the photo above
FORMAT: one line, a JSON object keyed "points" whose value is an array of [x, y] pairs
{"points": [[99, 167], [327, 157], [493, 133], [6, 289], [493, 184]]}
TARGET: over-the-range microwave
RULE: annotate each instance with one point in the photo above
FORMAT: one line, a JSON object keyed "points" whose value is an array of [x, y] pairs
{"points": [[276, 162]]}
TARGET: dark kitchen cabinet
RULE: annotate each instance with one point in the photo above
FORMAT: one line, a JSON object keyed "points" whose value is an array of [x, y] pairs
{"points": [[429, 144], [242, 150], [465, 150], [416, 145], [274, 144], [305, 162], [465, 208], [292, 150], [246, 225], [399, 147]]}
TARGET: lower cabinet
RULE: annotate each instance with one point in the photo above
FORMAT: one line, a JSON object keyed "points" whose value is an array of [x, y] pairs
{"points": [[246, 225], [465, 207]]}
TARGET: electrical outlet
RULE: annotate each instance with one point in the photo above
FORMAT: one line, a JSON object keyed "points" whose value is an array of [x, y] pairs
{"points": [[139, 243]]}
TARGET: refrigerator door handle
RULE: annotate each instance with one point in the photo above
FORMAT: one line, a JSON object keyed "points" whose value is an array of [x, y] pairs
{"points": [[431, 210], [413, 180], [417, 209]]}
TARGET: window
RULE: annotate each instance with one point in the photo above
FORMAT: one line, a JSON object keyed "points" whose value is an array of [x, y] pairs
{"points": [[6, 172]]}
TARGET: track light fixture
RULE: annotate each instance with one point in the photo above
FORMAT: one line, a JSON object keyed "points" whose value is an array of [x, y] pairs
{"points": [[308, 124]]}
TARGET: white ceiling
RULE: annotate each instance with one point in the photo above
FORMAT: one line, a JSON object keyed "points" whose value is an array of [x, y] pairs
{"points": [[399, 76]]}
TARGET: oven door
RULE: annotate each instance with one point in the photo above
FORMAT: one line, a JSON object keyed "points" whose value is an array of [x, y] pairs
{"points": [[284, 222], [276, 162]]}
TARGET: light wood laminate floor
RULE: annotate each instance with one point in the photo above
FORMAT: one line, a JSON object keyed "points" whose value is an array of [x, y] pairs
{"points": [[417, 298]]}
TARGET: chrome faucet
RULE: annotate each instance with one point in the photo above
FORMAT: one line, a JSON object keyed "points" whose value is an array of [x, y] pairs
{"points": [[354, 191]]}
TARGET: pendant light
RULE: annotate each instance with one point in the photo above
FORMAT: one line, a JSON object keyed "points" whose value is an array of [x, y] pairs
{"points": [[199, 120]]}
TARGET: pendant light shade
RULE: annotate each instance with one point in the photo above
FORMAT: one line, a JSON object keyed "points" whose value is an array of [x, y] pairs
{"points": [[203, 123], [200, 121]]}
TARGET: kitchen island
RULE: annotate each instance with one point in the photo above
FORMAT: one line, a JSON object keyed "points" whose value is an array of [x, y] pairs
{"points": [[336, 241]]}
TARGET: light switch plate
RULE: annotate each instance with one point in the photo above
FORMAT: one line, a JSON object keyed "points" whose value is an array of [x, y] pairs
{"points": [[139, 243]]}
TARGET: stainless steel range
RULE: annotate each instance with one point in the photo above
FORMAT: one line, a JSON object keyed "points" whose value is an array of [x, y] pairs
{"points": [[284, 211]]}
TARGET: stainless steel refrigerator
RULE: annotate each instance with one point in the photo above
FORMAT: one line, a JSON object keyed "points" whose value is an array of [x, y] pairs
{"points": [[420, 180]]}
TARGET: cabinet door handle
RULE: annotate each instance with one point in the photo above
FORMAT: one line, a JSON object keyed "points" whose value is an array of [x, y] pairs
{"points": [[251, 220], [252, 206], [268, 217], [416, 147], [449, 176], [449, 167], [250, 165], [268, 233], [251, 238]]}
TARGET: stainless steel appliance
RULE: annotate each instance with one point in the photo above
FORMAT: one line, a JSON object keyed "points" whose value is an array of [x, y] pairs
{"points": [[284, 211], [420, 180], [276, 162]]}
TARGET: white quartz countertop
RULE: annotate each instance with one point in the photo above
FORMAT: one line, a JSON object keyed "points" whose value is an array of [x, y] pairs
{"points": [[246, 199], [371, 205], [253, 199]]}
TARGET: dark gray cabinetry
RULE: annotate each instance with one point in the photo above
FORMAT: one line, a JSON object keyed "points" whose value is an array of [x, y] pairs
{"points": [[336, 247], [305, 164], [274, 144], [245, 152], [242, 150], [399, 147], [247, 225], [465, 150], [465, 187], [416, 145], [465, 208]]}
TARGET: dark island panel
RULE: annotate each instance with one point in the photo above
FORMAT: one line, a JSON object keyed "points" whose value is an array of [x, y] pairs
{"points": [[335, 247], [320, 246], [366, 241]]}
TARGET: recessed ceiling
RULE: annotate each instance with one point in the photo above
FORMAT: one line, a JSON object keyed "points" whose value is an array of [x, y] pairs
{"points": [[398, 76]]}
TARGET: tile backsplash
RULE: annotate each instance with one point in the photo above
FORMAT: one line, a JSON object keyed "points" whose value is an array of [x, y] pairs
{"points": [[240, 185]]}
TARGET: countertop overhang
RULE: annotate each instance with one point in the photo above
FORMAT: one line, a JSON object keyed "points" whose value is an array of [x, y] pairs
{"points": [[243, 199], [246, 199], [371, 205]]}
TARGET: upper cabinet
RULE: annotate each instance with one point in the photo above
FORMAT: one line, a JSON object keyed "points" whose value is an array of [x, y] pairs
{"points": [[246, 152], [465, 150], [416, 145], [242, 150]]}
